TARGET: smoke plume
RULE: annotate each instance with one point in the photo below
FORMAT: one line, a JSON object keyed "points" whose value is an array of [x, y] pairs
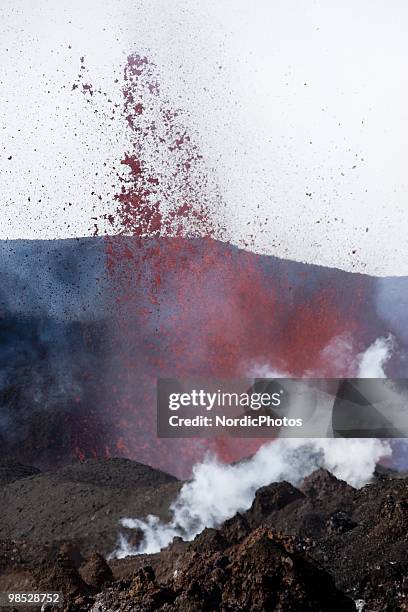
{"points": [[373, 360], [217, 491]]}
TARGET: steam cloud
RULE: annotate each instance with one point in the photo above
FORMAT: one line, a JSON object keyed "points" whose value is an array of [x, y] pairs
{"points": [[217, 491], [372, 362]]}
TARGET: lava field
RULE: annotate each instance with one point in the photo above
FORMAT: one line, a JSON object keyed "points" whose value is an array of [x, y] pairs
{"points": [[321, 547]]}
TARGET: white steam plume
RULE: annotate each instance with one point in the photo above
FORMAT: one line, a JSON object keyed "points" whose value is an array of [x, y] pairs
{"points": [[341, 359], [217, 491], [372, 361]]}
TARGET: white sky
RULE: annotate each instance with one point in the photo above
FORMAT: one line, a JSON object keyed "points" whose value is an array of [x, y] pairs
{"points": [[286, 97]]}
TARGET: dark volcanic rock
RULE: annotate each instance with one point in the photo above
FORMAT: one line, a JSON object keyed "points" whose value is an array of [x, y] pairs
{"points": [[84, 503], [268, 573], [382, 472], [264, 572], [272, 498], [114, 472], [96, 572], [70, 550], [340, 522], [370, 558], [316, 548], [307, 512], [360, 537], [236, 528], [62, 575], [321, 484], [209, 540], [11, 471]]}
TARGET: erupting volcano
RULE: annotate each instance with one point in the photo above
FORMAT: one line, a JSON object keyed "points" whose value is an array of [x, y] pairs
{"points": [[203, 307], [165, 296]]}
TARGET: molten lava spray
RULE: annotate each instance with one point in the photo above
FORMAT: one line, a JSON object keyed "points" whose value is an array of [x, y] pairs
{"points": [[190, 304]]}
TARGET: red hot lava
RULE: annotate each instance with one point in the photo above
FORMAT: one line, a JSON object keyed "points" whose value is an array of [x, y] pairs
{"points": [[190, 304]]}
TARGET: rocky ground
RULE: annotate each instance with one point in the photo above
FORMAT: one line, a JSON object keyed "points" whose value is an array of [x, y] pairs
{"points": [[321, 547]]}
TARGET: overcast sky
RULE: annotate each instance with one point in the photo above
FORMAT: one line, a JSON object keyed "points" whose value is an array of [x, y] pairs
{"points": [[300, 108]]}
